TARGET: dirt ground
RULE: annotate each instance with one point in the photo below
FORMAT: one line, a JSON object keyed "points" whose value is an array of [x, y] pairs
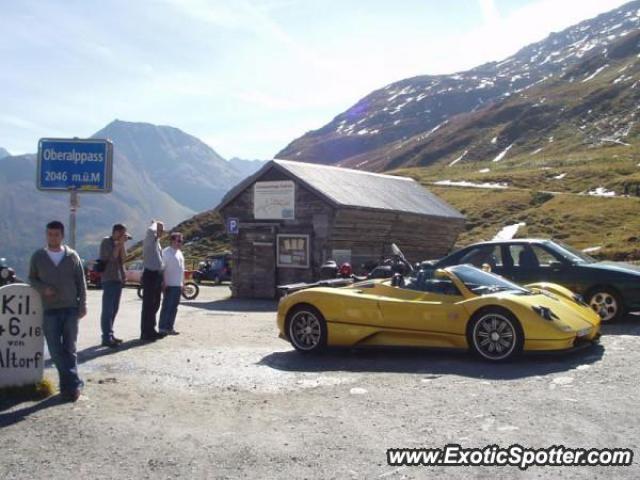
{"points": [[228, 399]]}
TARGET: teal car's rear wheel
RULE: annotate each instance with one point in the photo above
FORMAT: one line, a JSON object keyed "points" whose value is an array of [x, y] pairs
{"points": [[495, 334], [307, 329]]}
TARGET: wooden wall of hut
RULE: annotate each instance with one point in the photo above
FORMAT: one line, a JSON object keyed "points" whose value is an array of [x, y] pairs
{"points": [[369, 234], [313, 217]]}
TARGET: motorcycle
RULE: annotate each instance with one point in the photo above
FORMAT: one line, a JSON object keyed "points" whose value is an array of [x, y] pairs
{"points": [[7, 274], [216, 269], [190, 289], [395, 264]]}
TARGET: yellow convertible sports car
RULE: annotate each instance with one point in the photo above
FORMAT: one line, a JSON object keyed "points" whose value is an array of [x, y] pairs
{"points": [[458, 307]]}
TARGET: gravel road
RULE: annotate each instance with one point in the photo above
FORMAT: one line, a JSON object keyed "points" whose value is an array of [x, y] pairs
{"points": [[228, 399]]}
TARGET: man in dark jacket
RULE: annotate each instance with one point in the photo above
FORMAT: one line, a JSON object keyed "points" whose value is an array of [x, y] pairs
{"points": [[56, 273], [151, 281], [112, 256]]}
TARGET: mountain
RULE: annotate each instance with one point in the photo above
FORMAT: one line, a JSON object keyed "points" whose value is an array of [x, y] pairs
{"points": [[178, 163], [246, 167], [387, 128], [159, 172], [4, 153], [591, 105]]}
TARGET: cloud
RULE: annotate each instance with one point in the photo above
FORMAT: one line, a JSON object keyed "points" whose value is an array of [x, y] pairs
{"points": [[489, 11], [503, 35]]}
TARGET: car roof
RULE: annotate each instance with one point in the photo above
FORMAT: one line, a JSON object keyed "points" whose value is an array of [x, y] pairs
{"points": [[512, 240]]}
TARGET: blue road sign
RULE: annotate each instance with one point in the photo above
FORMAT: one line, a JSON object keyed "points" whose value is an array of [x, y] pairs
{"points": [[233, 226], [74, 164]]}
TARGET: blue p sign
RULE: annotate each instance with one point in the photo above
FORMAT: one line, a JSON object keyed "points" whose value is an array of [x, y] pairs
{"points": [[233, 226]]}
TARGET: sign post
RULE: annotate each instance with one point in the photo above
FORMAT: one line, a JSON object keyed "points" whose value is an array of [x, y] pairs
{"points": [[75, 165], [21, 336]]}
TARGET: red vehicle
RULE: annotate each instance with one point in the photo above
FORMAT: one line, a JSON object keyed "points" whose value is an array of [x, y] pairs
{"points": [[94, 278]]}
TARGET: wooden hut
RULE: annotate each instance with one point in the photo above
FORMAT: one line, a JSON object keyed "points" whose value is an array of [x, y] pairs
{"points": [[288, 218]]}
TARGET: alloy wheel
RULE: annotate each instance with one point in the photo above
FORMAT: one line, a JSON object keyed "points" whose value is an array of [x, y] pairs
{"points": [[494, 336], [605, 304], [305, 330]]}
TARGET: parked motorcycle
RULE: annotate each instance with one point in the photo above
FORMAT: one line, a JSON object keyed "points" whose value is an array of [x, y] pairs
{"points": [[394, 264], [216, 269], [7, 274]]}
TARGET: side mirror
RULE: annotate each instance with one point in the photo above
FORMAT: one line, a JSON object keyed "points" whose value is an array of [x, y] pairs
{"points": [[556, 265]]}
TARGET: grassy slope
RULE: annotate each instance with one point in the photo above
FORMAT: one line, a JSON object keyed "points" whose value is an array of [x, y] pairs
{"points": [[203, 235], [581, 221]]}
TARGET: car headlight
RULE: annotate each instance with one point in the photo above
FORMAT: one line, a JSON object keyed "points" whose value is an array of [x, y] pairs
{"points": [[545, 312], [584, 332]]}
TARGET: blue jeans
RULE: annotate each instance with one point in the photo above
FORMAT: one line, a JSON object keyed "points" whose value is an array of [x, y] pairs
{"points": [[111, 293], [61, 331], [169, 310]]}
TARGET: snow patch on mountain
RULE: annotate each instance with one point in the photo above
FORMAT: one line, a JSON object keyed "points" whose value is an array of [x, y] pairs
{"points": [[464, 183], [502, 154], [459, 158]]}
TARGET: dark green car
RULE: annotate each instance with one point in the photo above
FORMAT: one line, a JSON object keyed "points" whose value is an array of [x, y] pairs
{"points": [[611, 288]]}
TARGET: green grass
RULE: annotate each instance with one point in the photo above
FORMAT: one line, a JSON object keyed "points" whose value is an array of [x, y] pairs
{"points": [[38, 391], [581, 221], [204, 234]]}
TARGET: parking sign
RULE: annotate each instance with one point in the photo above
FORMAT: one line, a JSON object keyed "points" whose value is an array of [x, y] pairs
{"points": [[233, 226], [75, 164]]}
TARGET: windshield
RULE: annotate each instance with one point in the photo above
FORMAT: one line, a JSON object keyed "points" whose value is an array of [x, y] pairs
{"points": [[571, 253], [483, 283]]}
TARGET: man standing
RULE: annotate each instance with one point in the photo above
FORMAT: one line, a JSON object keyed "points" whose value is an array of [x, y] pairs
{"points": [[151, 281], [56, 272], [112, 255], [173, 283]]}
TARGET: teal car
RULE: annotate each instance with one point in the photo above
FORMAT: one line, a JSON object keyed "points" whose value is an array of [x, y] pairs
{"points": [[611, 288]]}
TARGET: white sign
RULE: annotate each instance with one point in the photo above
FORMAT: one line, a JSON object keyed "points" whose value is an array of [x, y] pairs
{"points": [[21, 336], [274, 200]]}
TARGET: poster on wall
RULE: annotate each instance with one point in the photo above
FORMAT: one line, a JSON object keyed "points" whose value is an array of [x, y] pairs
{"points": [[293, 251], [274, 200]]}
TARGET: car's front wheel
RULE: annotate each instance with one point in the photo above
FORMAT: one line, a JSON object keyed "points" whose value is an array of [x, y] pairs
{"points": [[607, 303], [495, 334], [190, 291], [307, 329]]}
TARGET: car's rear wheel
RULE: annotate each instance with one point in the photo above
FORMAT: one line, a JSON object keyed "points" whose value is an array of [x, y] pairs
{"points": [[307, 329], [495, 334], [607, 303]]}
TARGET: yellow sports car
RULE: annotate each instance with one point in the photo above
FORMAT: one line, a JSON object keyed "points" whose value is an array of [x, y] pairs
{"points": [[457, 307]]}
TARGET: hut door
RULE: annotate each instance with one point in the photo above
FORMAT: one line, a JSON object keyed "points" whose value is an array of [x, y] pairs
{"points": [[264, 270]]}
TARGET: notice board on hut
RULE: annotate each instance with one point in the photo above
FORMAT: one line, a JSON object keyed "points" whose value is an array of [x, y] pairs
{"points": [[293, 251], [274, 200]]}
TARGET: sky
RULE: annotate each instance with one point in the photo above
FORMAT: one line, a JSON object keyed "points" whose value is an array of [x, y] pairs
{"points": [[245, 76]]}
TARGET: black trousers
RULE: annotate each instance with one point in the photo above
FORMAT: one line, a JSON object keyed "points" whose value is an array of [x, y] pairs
{"points": [[151, 293]]}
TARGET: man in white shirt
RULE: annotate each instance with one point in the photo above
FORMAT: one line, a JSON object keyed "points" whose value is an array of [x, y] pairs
{"points": [[173, 277]]}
